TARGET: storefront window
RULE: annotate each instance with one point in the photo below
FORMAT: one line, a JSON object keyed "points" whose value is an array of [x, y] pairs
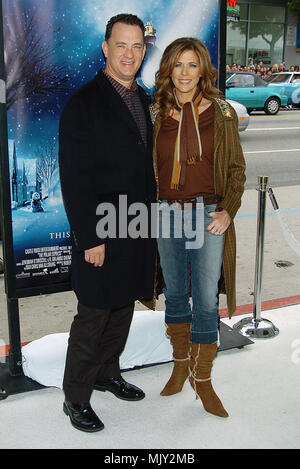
{"points": [[259, 33], [267, 14], [244, 11], [266, 44], [236, 42]]}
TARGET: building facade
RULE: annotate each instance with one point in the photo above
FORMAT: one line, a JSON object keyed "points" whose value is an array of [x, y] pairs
{"points": [[261, 30]]}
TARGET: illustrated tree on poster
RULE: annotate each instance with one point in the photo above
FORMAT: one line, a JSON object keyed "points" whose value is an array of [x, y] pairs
{"points": [[47, 161], [27, 52]]}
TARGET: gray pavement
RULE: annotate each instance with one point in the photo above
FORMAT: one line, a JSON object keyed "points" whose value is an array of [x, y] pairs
{"points": [[271, 145], [47, 314], [278, 282]]}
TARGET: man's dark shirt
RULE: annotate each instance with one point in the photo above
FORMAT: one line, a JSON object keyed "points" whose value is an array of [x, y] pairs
{"points": [[132, 100]]}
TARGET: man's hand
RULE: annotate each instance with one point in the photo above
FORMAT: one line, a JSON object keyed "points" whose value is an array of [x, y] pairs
{"points": [[220, 223], [95, 255]]}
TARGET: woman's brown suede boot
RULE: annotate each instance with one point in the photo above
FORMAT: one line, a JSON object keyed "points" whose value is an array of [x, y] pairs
{"points": [[201, 362], [180, 339]]}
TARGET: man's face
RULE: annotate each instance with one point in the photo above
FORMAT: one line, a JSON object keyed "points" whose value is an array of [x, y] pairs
{"points": [[124, 52]]}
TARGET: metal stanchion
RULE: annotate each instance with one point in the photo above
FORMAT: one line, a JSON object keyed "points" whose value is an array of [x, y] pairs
{"points": [[273, 199], [257, 327]]}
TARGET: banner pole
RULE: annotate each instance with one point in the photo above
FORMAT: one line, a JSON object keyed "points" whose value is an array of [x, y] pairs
{"points": [[15, 350], [12, 378], [257, 327], [222, 45]]}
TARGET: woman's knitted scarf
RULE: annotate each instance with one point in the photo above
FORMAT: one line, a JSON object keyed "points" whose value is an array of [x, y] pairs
{"points": [[188, 147]]}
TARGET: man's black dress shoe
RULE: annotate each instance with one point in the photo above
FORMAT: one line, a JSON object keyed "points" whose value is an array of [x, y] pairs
{"points": [[120, 388], [83, 417]]}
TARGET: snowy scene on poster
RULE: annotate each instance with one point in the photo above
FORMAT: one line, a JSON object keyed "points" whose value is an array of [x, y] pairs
{"points": [[51, 48]]}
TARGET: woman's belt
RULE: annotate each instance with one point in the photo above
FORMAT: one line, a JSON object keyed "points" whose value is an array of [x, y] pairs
{"points": [[207, 200]]}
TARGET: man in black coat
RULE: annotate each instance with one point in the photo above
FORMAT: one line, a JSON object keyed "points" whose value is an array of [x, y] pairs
{"points": [[105, 155]]}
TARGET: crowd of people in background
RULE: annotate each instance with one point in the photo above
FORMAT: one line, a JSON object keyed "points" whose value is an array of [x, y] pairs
{"points": [[260, 69]]}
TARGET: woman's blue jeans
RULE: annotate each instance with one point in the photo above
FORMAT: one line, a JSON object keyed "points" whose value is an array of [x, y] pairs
{"points": [[204, 264]]}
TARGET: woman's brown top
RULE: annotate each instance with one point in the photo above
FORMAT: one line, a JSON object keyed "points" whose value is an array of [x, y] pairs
{"points": [[199, 177], [229, 166]]}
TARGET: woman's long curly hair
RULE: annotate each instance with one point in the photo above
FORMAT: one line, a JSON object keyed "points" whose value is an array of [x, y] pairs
{"points": [[164, 97]]}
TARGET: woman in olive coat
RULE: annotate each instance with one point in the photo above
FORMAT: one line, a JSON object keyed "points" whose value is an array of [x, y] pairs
{"points": [[197, 159]]}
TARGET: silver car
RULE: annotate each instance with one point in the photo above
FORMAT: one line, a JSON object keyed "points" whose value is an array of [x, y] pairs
{"points": [[242, 114]]}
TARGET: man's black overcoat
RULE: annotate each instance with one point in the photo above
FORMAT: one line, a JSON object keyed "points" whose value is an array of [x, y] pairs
{"points": [[102, 156]]}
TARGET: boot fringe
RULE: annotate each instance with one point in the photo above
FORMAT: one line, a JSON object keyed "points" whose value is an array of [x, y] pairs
{"points": [[214, 407]]}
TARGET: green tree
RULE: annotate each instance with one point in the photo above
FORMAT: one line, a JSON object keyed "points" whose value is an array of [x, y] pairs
{"points": [[294, 5], [270, 36]]}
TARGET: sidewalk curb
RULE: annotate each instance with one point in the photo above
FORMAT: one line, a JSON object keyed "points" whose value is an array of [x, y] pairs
{"points": [[265, 305]]}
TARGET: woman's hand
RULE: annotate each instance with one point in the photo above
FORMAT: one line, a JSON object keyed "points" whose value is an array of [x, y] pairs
{"points": [[220, 223], [95, 255]]}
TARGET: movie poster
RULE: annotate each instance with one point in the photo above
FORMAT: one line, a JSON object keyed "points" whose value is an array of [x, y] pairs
{"points": [[51, 48]]}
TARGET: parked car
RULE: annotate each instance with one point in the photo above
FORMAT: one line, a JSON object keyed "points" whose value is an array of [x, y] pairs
{"points": [[242, 114], [291, 83], [254, 92]]}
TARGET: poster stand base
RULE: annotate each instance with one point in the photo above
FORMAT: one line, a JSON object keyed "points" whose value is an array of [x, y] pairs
{"points": [[15, 384], [231, 338], [12, 378]]}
